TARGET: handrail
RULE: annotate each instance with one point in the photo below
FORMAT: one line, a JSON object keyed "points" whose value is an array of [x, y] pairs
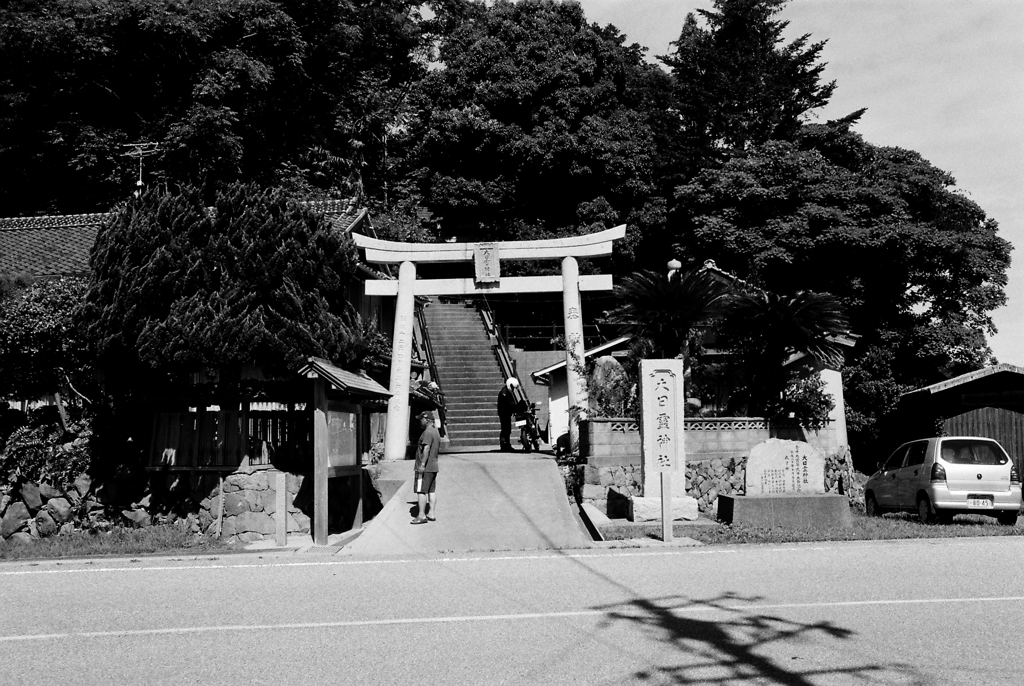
{"points": [[428, 348], [508, 370]]}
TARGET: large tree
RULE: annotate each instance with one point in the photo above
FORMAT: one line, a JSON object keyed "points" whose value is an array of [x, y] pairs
{"points": [[261, 280], [917, 265], [295, 92], [533, 125], [737, 83]]}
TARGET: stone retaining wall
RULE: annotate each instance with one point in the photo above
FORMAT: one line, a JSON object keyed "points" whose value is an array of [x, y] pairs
{"points": [[29, 510], [609, 487]]}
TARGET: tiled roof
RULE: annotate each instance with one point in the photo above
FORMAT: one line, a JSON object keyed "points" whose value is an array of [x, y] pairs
{"points": [[48, 246], [59, 245], [345, 381]]}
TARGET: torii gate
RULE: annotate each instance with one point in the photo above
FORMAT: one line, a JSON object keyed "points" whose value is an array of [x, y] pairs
{"points": [[487, 258]]}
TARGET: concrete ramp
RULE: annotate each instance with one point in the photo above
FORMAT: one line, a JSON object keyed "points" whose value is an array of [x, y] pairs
{"points": [[485, 501]]}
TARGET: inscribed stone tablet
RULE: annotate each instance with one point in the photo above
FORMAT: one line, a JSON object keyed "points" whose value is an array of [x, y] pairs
{"points": [[778, 467]]}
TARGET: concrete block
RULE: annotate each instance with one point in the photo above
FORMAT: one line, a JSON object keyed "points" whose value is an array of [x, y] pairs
{"points": [[789, 511], [649, 509], [597, 518]]}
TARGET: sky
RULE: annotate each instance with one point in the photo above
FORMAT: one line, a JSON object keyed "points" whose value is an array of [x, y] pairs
{"points": [[942, 77]]}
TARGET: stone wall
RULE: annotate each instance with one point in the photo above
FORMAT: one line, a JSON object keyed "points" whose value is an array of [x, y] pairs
{"points": [[250, 506], [609, 487], [29, 510]]}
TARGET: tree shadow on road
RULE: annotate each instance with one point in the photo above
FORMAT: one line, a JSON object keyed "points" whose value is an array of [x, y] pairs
{"points": [[730, 643]]}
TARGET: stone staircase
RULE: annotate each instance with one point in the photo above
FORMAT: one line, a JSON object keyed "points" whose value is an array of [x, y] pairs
{"points": [[469, 375]]}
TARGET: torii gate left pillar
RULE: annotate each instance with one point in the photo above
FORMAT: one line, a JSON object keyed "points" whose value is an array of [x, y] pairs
{"points": [[487, 257], [401, 364]]}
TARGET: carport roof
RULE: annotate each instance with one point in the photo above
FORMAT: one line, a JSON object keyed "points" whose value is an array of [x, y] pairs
{"points": [[968, 378], [610, 345]]}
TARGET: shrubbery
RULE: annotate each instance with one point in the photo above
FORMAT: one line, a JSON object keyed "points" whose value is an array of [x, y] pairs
{"points": [[261, 280], [40, 451]]}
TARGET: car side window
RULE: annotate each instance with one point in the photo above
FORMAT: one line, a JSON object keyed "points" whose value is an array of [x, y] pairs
{"points": [[916, 454], [895, 460]]}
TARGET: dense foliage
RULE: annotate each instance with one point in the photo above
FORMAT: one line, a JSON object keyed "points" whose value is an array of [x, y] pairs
{"points": [[293, 92], [260, 280], [535, 124], [665, 311], [917, 265], [41, 349], [42, 451]]}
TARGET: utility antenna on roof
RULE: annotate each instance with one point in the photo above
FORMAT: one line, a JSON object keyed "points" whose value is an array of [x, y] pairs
{"points": [[140, 151]]}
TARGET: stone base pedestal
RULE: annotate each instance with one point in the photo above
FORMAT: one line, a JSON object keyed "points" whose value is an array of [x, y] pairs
{"points": [[825, 511], [649, 509]]}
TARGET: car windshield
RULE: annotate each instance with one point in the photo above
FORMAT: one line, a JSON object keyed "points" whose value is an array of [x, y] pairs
{"points": [[972, 452]]}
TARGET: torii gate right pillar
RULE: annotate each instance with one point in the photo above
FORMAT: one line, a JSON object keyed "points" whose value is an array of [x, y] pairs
{"points": [[574, 350]]}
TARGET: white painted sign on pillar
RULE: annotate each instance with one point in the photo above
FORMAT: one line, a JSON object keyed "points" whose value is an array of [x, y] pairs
{"points": [[663, 403], [487, 266]]}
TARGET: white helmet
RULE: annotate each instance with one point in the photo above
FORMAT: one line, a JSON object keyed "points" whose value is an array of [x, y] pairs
{"points": [[512, 383]]}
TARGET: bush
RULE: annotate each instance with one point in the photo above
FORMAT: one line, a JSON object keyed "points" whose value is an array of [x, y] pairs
{"points": [[804, 402], [41, 451], [41, 350], [261, 280]]}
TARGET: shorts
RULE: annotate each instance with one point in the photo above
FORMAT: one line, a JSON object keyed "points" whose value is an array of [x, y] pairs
{"points": [[425, 482]]}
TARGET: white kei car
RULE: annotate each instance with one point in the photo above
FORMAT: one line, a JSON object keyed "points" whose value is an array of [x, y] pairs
{"points": [[947, 475]]}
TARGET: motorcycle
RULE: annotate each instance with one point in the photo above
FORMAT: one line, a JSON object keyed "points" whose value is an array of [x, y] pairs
{"points": [[529, 432]]}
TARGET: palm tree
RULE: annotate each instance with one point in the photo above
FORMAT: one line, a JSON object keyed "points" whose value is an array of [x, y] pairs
{"points": [[772, 328], [665, 310]]}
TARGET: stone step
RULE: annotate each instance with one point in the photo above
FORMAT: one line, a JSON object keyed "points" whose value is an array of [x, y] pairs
{"points": [[458, 355], [475, 414], [475, 406], [456, 342], [487, 434], [469, 383], [480, 373], [472, 398]]}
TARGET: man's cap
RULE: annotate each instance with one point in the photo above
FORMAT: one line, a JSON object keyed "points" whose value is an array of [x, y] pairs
{"points": [[512, 382], [426, 414]]}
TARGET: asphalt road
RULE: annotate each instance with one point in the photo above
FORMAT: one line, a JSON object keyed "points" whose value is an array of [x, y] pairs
{"points": [[902, 612]]}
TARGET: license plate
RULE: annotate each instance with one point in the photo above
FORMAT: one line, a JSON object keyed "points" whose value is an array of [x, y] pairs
{"points": [[521, 422], [979, 502]]}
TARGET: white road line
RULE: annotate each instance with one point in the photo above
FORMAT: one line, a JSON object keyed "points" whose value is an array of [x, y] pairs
{"points": [[344, 563], [676, 611], [198, 563]]}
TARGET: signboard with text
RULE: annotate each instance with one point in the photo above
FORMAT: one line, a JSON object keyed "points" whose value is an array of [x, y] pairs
{"points": [[662, 402], [487, 267]]}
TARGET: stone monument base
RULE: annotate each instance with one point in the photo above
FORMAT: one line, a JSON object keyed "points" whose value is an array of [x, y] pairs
{"points": [[790, 511], [649, 509]]}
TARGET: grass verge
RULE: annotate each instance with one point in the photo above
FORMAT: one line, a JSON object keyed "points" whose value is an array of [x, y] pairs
{"points": [[119, 542], [888, 527]]}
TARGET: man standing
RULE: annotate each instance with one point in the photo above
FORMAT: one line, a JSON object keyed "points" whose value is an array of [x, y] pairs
{"points": [[506, 408], [426, 468]]}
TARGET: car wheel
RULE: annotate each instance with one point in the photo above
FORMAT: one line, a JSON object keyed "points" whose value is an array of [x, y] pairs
{"points": [[1007, 518], [924, 510], [871, 508]]}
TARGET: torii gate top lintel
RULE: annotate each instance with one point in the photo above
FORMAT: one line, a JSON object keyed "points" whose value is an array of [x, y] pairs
{"points": [[395, 252]]}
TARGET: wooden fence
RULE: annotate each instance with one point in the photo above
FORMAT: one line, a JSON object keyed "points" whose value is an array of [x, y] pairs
{"points": [[220, 439]]}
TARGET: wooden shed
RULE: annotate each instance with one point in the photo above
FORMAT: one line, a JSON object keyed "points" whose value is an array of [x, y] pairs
{"points": [[303, 432], [988, 402]]}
